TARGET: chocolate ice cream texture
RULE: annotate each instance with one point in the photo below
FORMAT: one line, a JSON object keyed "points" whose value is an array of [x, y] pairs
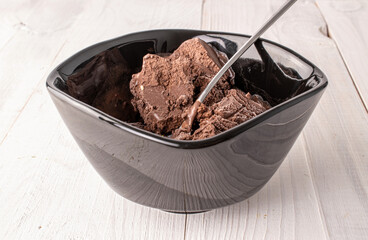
{"points": [[158, 97]]}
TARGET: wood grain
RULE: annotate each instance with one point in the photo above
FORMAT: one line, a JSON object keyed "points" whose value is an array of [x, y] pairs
{"points": [[44, 28], [321, 185], [48, 190], [347, 21]]}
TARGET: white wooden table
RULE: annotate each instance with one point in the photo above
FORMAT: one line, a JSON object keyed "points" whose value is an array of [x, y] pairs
{"points": [[48, 190]]}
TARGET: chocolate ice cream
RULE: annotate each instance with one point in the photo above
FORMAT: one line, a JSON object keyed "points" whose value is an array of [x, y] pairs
{"points": [[235, 108], [168, 85], [158, 97]]}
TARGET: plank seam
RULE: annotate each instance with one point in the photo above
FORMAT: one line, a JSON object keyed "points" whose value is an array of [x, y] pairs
{"points": [[30, 96], [365, 105], [328, 34], [320, 210], [185, 225], [8, 41], [202, 13]]}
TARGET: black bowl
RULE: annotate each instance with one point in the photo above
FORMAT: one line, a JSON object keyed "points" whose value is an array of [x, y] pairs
{"points": [[194, 176]]}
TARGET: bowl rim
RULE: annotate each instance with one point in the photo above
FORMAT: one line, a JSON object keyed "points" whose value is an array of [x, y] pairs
{"points": [[185, 144]]}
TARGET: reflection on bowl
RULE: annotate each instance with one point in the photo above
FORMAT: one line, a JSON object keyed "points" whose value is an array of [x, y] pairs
{"points": [[194, 176]]}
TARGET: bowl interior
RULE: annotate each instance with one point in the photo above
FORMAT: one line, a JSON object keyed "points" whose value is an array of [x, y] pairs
{"points": [[278, 74]]}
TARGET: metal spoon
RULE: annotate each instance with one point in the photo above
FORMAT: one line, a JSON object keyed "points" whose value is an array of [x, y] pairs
{"points": [[187, 124]]}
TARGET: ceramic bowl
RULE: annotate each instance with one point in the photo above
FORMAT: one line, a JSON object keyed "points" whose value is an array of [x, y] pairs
{"points": [[193, 176]]}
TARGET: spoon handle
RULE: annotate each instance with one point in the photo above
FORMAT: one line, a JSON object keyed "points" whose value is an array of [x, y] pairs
{"points": [[240, 52]]}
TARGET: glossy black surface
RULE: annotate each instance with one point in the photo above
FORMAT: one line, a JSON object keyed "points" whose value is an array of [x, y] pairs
{"points": [[194, 176]]}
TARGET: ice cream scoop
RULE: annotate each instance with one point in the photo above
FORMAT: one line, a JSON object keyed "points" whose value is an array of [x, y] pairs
{"points": [[187, 124]]}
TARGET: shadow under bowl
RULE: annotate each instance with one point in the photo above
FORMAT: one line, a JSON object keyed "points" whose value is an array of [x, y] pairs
{"points": [[193, 176]]}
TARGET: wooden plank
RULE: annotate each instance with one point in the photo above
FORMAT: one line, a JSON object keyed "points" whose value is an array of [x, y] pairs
{"points": [[320, 191], [6, 33], [280, 210], [9, 21], [28, 55], [347, 27], [49, 25], [47, 188]]}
